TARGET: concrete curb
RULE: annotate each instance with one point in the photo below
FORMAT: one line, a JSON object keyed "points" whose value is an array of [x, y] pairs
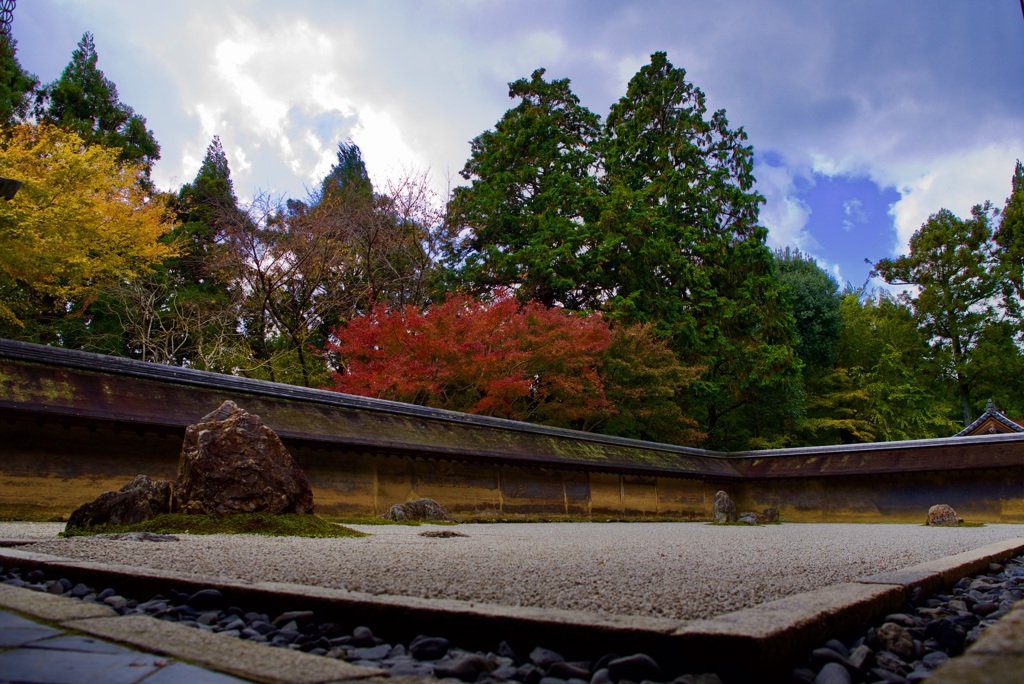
{"points": [[763, 641]]}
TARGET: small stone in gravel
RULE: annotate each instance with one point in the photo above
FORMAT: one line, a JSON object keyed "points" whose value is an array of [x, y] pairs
{"points": [[891, 662], [934, 659], [862, 658], [116, 602], [362, 637], [833, 673], [372, 652], [838, 646], [896, 639], [601, 676], [823, 656], [297, 616], [428, 648], [205, 599], [464, 666], [950, 635], [506, 651], [544, 658], [566, 670], [636, 667], [803, 675]]}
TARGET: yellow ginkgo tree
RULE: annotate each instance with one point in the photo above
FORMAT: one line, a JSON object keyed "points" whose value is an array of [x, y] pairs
{"points": [[79, 223]]}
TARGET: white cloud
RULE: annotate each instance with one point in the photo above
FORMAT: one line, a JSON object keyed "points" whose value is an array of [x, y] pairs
{"points": [[956, 182], [783, 214], [853, 208]]}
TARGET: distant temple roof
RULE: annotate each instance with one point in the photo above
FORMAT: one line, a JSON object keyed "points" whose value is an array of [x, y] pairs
{"points": [[991, 422]]}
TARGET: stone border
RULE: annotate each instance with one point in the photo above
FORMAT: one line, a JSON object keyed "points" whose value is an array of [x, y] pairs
{"points": [[764, 641], [222, 653]]}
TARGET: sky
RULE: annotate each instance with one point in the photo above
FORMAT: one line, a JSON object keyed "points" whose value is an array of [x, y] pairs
{"points": [[865, 117]]}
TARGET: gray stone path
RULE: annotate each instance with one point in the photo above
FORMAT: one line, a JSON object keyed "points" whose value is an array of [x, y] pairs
{"points": [[35, 653]]}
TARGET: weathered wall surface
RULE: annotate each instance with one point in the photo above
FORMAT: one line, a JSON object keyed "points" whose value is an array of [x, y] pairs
{"points": [[46, 471], [75, 425]]}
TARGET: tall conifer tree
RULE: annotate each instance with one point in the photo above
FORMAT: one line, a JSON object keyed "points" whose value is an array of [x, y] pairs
{"points": [[85, 101]]}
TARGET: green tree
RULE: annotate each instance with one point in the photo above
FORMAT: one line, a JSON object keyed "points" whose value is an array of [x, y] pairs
{"points": [[682, 246], [17, 86], [184, 313], [86, 102], [954, 265], [813, 296], [884, 355], [529, 210], [1010, 238]]}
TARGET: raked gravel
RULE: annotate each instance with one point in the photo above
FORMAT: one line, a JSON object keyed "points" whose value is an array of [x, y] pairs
{"points": [[674, 570]]}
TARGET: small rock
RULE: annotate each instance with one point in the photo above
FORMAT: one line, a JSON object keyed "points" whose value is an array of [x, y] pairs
{"points": [[506, 651], [140, 499], [566, 670], [723, 509], [418, 509], [823, 656], [206, 599], [707, 678], [770, 515], [372, 652], [601, 676], [838, 646], [896, 640], [862, 658], [544, 658], [833, 673], [892, 662], [950, 635], [942, 515], [428, 648], [934, 659], [747, 518], [362, 637], [636, 667]]}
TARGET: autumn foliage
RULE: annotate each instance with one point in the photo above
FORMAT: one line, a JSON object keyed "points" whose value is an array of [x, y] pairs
{"points": [[507, 359]]}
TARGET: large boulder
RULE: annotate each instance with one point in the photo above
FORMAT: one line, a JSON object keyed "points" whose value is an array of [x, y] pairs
{"points": [[140, 499], [723, 509], [418, 509], [942, 515], [232, 463]]}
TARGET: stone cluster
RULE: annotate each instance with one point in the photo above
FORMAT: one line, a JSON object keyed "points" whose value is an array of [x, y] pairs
{"points": [[908, 646], [231, 462], [418, 509], [723, 510]]}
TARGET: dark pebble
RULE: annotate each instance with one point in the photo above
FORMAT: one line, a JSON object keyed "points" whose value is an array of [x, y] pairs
{"points": [[544, 658], [205, 599], [838, 646], [362, 637], [566, 670], [428, 648], [833, 673], [506, 651], [636, 667], [296, 616], [464, 666]]}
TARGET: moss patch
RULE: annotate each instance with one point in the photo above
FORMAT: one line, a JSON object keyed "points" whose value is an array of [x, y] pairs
{"points": [[292, 525]]}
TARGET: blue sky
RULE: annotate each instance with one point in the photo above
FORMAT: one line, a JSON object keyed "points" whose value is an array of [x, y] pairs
{"points": [[866, 117]]}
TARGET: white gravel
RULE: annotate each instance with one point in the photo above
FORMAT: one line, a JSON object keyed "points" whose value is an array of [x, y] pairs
{"points": [[676, 570]]}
